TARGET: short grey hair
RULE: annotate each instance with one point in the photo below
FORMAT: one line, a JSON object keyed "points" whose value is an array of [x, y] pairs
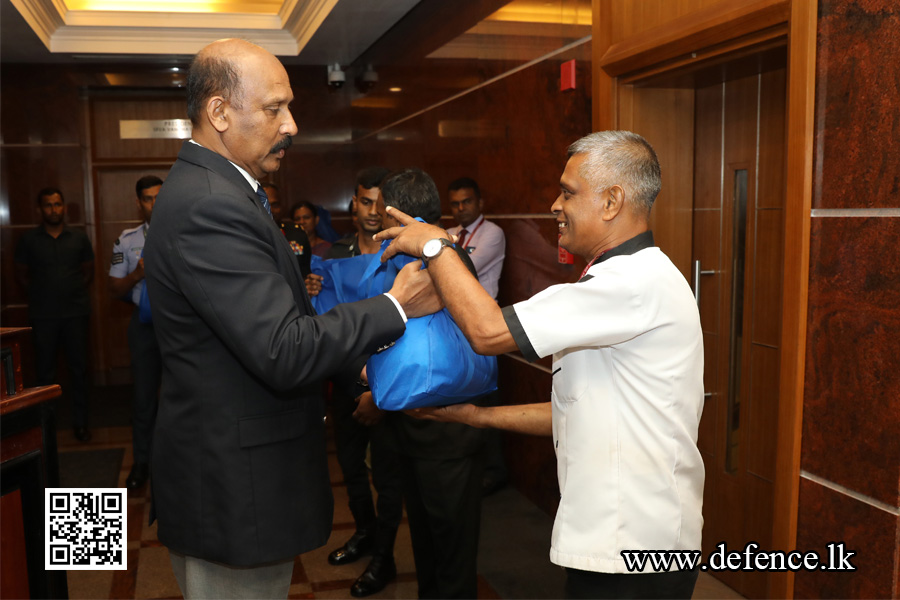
{"points": [[620, 158]]}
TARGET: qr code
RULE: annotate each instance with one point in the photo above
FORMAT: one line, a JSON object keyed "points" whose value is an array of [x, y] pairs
{"points": [[85, 529]]}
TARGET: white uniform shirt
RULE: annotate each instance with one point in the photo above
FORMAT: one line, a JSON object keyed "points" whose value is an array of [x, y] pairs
{"points": [[126, 254], [486, 245], [627, 398]]}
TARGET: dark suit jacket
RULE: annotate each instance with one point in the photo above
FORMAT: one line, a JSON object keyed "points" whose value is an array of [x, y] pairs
{"points": [[239, 468]]}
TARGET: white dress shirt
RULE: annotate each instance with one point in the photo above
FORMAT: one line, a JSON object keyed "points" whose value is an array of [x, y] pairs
{"points": [[486, 245]]}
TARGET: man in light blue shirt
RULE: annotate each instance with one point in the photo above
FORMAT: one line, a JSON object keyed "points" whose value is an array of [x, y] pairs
{"points": [[126, 281]]}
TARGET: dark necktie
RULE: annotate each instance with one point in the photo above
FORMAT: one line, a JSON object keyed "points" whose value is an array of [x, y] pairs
{"points": [[462, 238], [264, 199]]}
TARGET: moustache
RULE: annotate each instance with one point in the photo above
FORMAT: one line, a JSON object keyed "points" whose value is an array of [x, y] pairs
{"points": [[282, 145]]}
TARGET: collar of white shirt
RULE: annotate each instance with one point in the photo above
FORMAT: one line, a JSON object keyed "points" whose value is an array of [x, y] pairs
{"points": [[253, 182]]}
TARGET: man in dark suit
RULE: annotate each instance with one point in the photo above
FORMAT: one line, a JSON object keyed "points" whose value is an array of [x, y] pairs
{"points": [[239, 473]]}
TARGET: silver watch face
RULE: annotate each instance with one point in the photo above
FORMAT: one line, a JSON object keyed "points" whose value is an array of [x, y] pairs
{"points": [[432, 248]]}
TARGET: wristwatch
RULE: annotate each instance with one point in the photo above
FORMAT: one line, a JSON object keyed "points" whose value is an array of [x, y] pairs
{"points": [[434, 247]]}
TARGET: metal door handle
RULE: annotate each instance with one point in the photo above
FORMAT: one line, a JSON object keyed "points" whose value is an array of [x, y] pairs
{"points": [[697, 273]]}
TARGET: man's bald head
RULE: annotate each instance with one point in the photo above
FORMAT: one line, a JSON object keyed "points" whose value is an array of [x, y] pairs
{"points": [[216, 71], [239, 98]]}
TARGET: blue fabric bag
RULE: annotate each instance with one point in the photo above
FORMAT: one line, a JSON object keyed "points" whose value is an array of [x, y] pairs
{"points": [[432, 364], [340, 280], [144, 314]]}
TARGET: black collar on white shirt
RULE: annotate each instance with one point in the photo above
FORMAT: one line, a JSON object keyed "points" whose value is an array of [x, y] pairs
{"points": [[639, 242]]}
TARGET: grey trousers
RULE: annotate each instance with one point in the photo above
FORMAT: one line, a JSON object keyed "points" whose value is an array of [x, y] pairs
{"points": [[200, 578]]}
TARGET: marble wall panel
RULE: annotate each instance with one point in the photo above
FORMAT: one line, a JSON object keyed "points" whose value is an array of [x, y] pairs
{"points": [[871, 532], [851, 412], [858, 125]]}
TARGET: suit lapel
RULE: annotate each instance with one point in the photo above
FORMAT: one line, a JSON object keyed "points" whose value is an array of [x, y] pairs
{"points": [[219, 165]]}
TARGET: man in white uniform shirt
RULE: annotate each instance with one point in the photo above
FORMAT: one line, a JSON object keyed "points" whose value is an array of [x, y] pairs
{"points": [[126, 282], [627, 372], [483, 240]]}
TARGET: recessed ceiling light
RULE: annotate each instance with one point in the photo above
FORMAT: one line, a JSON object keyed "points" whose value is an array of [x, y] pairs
{"points": [[395, 89]]}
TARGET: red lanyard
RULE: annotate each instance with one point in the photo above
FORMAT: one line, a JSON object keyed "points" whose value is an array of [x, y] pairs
{"points": [[591, 264], [471, 235]]}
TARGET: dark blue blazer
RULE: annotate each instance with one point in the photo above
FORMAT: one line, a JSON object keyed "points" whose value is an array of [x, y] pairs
{"points": [[239, 471]]}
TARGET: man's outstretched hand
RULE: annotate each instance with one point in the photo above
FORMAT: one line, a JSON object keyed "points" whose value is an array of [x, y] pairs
{"points": [[409, 239], [454, 413]]}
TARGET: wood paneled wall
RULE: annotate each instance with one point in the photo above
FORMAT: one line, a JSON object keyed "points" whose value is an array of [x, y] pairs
{"points": [[631, 17], [43, 144]]}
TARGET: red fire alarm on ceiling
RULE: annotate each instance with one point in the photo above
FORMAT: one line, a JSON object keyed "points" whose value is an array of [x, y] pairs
{"points": [[567, 75]]}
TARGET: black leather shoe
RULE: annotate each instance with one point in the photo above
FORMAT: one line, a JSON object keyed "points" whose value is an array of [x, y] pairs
{"points": [[82, 434], [138, 476], [380, 572], [359, 544]]}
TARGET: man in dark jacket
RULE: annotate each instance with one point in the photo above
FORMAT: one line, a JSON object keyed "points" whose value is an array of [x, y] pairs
{"points": [[240, 477]]}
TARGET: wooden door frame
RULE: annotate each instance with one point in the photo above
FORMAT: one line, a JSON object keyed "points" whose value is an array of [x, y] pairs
{"points": [[724, 29]]}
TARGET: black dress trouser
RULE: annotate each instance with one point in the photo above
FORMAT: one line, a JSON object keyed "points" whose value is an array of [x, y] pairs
{"points": [[443, 503], [71, 333], [351, 441]]}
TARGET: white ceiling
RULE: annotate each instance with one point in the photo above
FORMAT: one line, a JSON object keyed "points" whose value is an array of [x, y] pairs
{"points": [[298, 31]]}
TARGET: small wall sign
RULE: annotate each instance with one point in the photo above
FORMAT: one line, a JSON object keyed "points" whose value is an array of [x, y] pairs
{"points": [[179, 129]]}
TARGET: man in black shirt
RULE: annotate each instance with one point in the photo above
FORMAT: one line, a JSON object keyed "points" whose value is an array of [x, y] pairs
{"points": [[56, 264], [441, 463], [358, 423], [366, 216]]}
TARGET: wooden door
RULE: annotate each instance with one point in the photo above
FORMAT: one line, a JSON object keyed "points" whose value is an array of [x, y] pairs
{"points": [[737, 243]]}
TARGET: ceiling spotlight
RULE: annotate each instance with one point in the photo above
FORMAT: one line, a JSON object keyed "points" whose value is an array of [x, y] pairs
{"points": [[395, 89], [336, 77]]}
